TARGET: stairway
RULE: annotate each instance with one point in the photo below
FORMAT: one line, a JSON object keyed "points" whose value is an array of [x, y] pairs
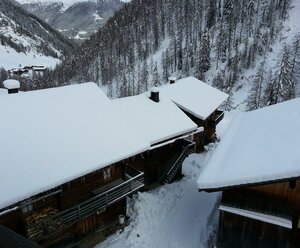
{"points": [[175, 167]]}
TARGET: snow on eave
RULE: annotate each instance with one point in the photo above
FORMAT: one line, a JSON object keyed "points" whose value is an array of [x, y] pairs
{"points": [[271, 219], [215, 187]]}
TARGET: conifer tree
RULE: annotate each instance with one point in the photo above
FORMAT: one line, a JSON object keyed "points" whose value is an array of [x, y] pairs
{"points": [[204, 56], [255, 98], [156, 76]]}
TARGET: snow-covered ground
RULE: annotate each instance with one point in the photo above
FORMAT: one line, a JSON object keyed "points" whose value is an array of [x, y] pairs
{"points": [[10, 58], [176, 215]]}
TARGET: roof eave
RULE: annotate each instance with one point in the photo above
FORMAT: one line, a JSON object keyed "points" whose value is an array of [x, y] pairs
{"points": [[217, 189]]}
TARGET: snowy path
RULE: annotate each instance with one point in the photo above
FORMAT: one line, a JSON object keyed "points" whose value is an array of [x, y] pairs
{"points": [[175, 215], [186, 224]]}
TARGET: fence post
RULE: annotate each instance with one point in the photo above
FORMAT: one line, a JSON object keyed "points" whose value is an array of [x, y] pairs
{"points": [[78, 209]]}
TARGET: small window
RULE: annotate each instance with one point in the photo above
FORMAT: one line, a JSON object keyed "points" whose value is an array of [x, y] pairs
{"points": [[27, 208], [107, 173]]}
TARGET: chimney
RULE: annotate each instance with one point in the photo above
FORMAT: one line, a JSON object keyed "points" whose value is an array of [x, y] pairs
{"points": [[154, 94], [172, 80], [12, 86]]}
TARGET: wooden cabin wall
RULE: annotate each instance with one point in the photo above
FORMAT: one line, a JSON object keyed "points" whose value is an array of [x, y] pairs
{"points": [[288, 193], [81, 189], [209, 129], [281, 191], [85, 226], [199, 140], [95, 221], [154, 162], [14, 221], [238, 231], [72, 193], [281, 199], [256, 201]]}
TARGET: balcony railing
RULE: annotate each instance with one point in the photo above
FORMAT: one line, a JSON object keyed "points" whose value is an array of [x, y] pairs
{"points": [[216, 117], [47, 226]]}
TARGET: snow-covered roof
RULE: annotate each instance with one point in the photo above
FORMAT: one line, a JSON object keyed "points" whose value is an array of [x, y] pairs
{"points": [[49, 137], [195, 96], [11, 84], [259, 146], [3, 91], [156, 121]]}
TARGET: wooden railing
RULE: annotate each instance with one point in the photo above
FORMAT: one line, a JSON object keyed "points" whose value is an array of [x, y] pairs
{"points": [[217, 117], [49, 225]]}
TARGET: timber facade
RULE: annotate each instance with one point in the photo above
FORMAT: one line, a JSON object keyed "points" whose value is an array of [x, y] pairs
{"points": [[76, 208], [163, 163], [79, 207], [209, 125], [260, 216]]}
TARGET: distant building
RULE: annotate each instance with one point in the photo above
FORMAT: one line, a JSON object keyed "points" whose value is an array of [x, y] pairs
{"points": [[257, 167], [27, 70]]}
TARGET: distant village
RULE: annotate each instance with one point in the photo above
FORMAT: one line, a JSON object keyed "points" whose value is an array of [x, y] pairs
{"points": [[27, 71]]}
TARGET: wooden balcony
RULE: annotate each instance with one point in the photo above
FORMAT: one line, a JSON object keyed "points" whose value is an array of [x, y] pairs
{"points": [[134, 180], [216, 117]]}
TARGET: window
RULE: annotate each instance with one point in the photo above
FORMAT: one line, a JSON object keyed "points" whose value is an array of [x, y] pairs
{"points": [[27, 208], [107, 173]]}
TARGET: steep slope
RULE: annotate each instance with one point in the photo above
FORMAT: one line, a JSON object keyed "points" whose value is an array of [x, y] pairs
{"points": [[24, 39], [76, 19], [221, 42]]}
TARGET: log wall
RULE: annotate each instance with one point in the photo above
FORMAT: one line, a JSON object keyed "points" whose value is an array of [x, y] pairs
{"points": [[280, 199], [71, 194], [238, 231]]}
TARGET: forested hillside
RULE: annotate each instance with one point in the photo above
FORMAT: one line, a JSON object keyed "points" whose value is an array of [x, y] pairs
{"points": [[224, 43], [18, 26]]}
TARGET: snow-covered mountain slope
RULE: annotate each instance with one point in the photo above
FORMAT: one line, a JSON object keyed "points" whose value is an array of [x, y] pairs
{"points": [[221, 42], [66, 3], [24, 39], [76, 19]]}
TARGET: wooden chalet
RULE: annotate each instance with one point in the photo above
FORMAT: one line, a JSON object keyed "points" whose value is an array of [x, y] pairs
{"points": [[200, 102], [70, 156], [168, 130], [257, 167], [65, 158]]}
